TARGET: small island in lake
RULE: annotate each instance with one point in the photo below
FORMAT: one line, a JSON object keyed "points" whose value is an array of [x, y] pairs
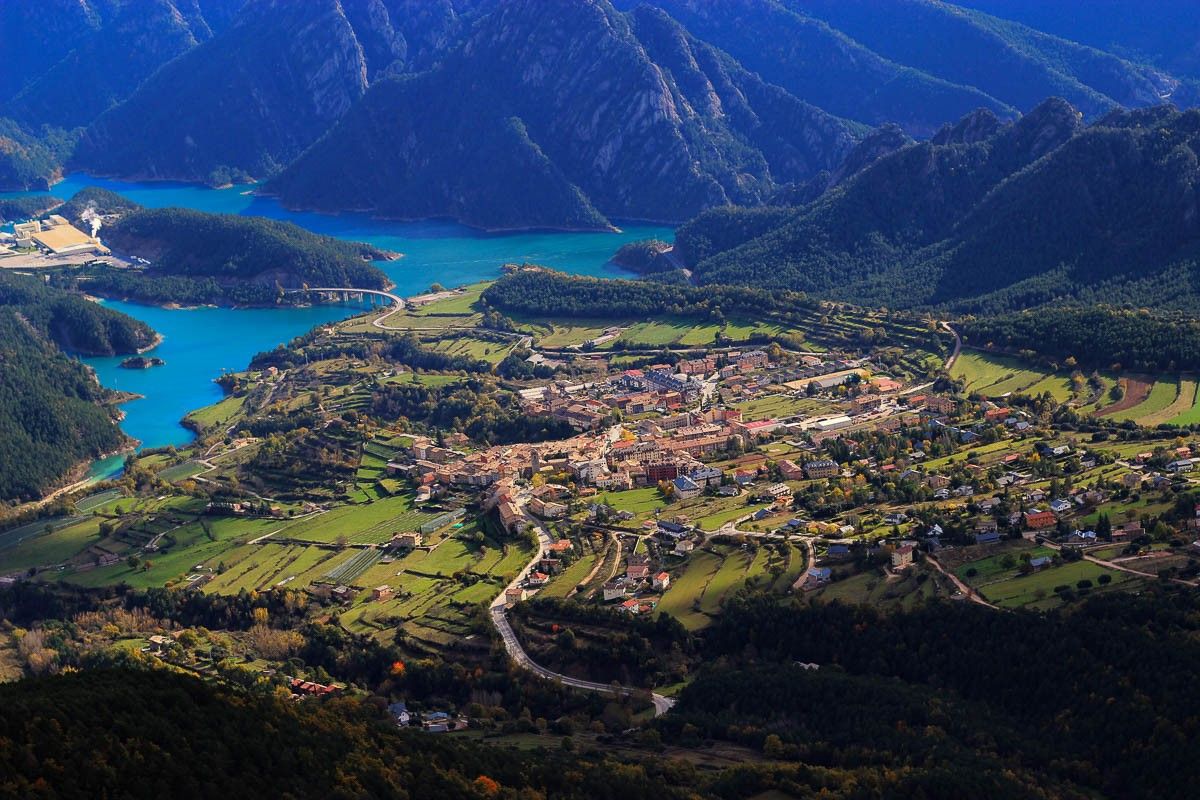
{"points": [[142, 362]]}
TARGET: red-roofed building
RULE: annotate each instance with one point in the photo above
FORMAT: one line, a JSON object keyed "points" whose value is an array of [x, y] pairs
{"points": [[1039, 520]]}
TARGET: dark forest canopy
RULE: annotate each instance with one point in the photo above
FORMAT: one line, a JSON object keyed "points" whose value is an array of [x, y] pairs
{"points": [[118, 733], [1096, 337], [645, 256], [15, 209], [179, 241], [52, 411], [132, 733], [1098, 698], [71, 320], [100, 201], [544, 292], [29, 158]]}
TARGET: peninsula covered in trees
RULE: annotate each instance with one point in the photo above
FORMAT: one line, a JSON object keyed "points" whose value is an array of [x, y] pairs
{"points": [[71, 320], [225, 259]]}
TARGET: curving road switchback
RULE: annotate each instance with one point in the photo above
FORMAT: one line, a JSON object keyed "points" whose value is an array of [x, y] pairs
{"points": [[499, 613]]}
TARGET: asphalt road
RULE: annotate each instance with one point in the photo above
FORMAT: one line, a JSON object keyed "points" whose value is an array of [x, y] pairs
{"points": [[516, 652]]}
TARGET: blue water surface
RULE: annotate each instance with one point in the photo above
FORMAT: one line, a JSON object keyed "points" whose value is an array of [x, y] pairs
{"points": [[199, 344]]}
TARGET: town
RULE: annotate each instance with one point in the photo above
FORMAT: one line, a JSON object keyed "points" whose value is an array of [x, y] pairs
{"points": [[650, 480]]}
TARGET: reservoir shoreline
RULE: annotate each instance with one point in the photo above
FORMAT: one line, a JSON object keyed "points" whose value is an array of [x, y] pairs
{"points": [[199, 344]]}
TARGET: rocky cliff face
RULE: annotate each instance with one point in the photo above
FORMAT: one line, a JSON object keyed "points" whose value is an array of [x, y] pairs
{"points": [[109, 66], [244, 103], [823, 66], [624, 116]]}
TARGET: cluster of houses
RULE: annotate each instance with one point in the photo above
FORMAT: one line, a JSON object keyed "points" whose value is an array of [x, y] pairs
{"points": [[552, 562], [664, 441], [429, 721], [638, 590]]}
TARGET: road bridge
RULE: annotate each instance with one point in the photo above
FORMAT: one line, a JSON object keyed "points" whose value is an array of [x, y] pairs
{"points": [[346, 293]]}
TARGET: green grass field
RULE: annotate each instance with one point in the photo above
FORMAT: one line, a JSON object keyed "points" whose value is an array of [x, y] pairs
{"points": [[566, 333], [1161, 396], [712, 522], [217, 414], [993, 375], [459, 304], [636, 501], [670, 330], [179, 472], [31, 546], [988, 569], [689, 585], [1190, 415], [1038, 589], [370, 523], [94, 501], [776, 406], [479, 349]]}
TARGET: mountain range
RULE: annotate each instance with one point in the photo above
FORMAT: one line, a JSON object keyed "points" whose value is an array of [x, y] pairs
{"points": [[514, 114], [986, 216]]}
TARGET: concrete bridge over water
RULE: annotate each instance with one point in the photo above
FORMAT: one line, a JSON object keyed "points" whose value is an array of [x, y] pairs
{"points": [[347, 293]]}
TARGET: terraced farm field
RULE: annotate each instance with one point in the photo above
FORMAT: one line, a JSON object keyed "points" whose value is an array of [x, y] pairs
{"points": [[708, 578], [1189, 415], [671, 331], [1135, 391], [350, 568], [1163, 403], [688, 586], [994, 376], [733, 572], [370, 523], [562, 585], [480, 349]]}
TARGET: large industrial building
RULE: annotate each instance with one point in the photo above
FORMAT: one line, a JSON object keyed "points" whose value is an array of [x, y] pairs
{"points": [[57, 236]]}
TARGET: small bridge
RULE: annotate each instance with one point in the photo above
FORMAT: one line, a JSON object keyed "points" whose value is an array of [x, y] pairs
{"points": [[346, 294]]}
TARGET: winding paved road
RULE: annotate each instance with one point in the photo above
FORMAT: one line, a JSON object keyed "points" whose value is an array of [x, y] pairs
{"points": [[516, 652]]}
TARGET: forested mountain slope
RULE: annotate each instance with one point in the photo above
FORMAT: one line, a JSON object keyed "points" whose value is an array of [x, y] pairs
{"points": [[1016, 64], [986, 216], [1162, 32], [827, 68], [52, 410], [131, 40]]}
